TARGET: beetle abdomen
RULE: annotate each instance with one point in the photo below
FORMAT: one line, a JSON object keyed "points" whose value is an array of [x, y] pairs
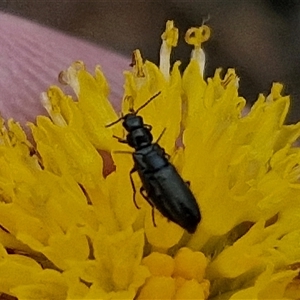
{"points": [[172, 197]]}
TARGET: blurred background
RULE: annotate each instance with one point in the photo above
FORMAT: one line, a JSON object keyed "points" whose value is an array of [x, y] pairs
{"points": [[261, 39]]}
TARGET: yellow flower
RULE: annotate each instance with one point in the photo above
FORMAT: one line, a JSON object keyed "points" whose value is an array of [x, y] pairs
{"points": [[70, 230]]}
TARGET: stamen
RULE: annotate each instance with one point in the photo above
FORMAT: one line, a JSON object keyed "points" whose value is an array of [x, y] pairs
{"points": [[169, 40], [196, 36]]}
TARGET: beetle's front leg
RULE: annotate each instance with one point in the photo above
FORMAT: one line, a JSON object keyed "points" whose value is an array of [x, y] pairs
{"points": [[120, 140]]}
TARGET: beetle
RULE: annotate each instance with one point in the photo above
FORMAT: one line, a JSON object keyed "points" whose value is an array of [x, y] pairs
{"points": [[162, 186]]}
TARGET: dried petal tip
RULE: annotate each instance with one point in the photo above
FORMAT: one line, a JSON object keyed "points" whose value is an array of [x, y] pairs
{"points": [[170, 39], [69, 77], [137, 63]]}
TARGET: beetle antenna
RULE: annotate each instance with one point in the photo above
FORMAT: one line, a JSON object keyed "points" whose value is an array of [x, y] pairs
{"points": [[160, 136], [132, 110], [115, 122], [147, 102]]}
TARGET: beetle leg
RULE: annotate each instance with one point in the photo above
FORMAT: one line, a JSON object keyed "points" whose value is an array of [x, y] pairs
{"points": [[153, 219], [188, 183], [167, 156], [120, 140], [133, 187], [145, 196], [142, 191], [149, 127], [122, 152]]}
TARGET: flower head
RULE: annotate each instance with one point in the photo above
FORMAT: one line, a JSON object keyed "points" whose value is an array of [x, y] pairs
{"points": [[70, 230]]}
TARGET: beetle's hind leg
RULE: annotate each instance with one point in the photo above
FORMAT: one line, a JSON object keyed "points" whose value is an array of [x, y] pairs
{"points": [[143, 193], [133, 187], [146, 197], [153, 219]]}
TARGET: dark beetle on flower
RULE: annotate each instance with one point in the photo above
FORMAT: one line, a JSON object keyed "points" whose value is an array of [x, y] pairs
{"points": [[162, 186]]}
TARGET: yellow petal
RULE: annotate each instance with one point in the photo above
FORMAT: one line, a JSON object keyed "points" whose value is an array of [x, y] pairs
{"points": [[163, 234], [72, 154], [97, 112], [48, 284]]}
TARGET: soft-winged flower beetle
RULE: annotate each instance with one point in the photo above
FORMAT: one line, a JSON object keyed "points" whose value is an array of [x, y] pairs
{"points": [[162, 186]]}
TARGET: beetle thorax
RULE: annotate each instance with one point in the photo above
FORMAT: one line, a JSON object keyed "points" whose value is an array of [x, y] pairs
{"points": [[139, 134], [139, 138]]}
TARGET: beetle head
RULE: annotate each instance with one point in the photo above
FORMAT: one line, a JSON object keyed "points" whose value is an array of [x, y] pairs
{"points": [[132, 122]]}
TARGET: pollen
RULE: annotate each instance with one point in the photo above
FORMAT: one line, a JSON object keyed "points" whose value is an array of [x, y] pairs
{"points": [[182, 276]]}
